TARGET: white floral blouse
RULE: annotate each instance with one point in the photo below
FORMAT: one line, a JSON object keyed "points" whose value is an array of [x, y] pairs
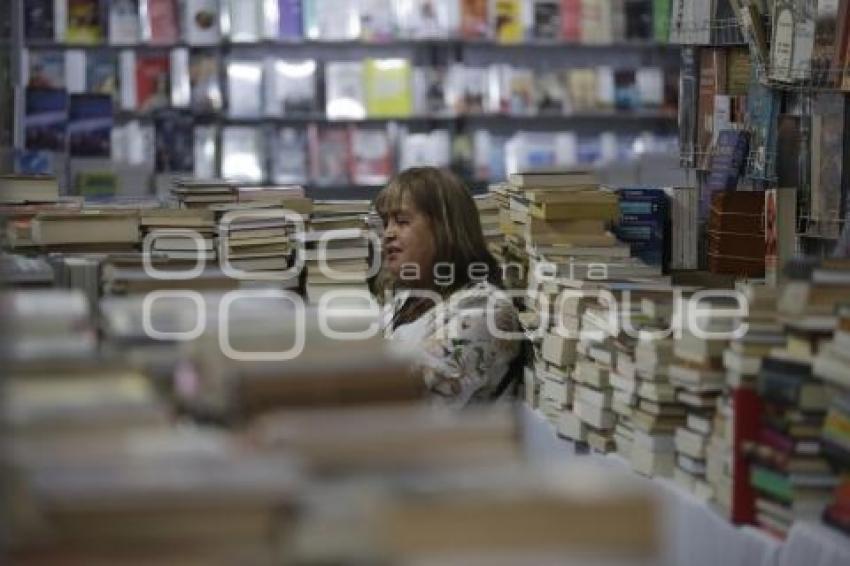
{"points": [[462, 352]]}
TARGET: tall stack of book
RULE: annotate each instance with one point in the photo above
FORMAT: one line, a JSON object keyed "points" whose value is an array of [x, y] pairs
{"points": [[788, 472], [736, 241], [180, 233], [832, 365], [735, 418], [555, 359], [652, 452], [336, 248], [488, 213], [254, 238], [697, 373], [194, 193]]}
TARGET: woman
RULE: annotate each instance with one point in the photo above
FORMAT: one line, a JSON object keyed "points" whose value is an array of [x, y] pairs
{"points": [[441, 286]]}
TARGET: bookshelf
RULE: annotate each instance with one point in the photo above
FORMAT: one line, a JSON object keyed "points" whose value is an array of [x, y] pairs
{"points": [[628, 120]]}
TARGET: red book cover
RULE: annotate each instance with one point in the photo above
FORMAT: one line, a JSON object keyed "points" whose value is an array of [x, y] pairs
{"points": [[473, 19], [330, 155], [571, 20], [162, 19], [746, 410], [152, 82], [371, 156]]}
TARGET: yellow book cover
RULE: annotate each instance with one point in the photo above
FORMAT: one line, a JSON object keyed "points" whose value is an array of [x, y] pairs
{"points": [[508, 23], [388, 88], [575, 211], [85, 22]]}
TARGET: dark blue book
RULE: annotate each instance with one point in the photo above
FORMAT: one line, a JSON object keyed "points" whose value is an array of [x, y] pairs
{"points": [[90, 125], [46, 119], [626, 95], [174, 142], [38, 20], [762, 120], [645, 224], [291, 19]]}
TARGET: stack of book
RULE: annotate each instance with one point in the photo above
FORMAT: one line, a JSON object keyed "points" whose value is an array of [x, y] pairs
{"points": [[653, 423], [736, 239], [554, 361], [488, 213], [195, 193], [253, 239], [179, 233], [21, 198], [832, 365], [736, 415], [697, 373], [336, 248], [788, 472]]}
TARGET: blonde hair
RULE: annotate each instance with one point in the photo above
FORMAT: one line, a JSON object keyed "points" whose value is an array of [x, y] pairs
{"points": [[453, 216]]}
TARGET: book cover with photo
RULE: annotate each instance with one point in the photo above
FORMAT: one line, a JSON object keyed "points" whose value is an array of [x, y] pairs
{"points": [[507, 21], [330, 155], [174, 143], [86, 21], [291, 87], [200, 22], [474, 21], [46, 118], [371, 156], [101, 73], [289, 164], [345, 96], [46, 69], [424, 19], [39, 20], [546, 19], [243, 154], [331, 20], [153, 82], [124, 24], [429, 91], [90, 125], [204, 83], [377, 20], [388, 87], [161, 25]]}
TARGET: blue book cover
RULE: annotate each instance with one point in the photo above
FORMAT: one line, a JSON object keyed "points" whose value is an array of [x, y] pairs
{"points": [[762, 121], [727, 164], [90, 125], [101, 73], [174, 143], [46, 118], [291, 19], [38, 20], [645, 224]]}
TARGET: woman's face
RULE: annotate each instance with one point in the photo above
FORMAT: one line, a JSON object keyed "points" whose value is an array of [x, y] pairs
{"points": [[409, 249]]}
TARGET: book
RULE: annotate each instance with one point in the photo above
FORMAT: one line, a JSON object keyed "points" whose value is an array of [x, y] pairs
{"points": [[244, 88], [174, 142], [474, 21], [245, 19], [827, 162], [780, 210], [377, 23], [39, 20], [345, 96], [204, 83], [101, 73], [388, 88], [45, 119], [661, 20], [15, 189], [153, 82], [86, 21], [546, 19], [86, 227], [200, 21], [331, 20], [330, 155], [507, 21], [290, 19], [371, 156], [726, 165], [160, 24], [90, 125], [289, 157], [762, 116], [825, 42], [290, 87], [689, 93], [792, 40], [571, 20], [45, 69], [242, 154], [124, 25]]}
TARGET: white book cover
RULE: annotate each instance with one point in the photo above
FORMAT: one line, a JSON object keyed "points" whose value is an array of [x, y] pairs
{"points": [[331, 20], [201, 20], [345, 93], [124, 24], [242, 20], [180, 84], [244, 88], [205, 152], [127, 81], [650, 86], [290, 86], [289, 157], [75, 71], [242, 155]]}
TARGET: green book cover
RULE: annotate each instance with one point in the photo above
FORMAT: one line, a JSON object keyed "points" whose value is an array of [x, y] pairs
{"points": [[772, 483], [388, 89], [97, 184], [661, 20]]}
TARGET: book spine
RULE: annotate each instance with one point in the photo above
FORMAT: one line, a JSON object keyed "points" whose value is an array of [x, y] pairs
{"points": [[746, 409]]}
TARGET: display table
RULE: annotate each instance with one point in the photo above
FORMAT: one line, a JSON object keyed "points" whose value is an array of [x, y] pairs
{"points": [[694, 533]]}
